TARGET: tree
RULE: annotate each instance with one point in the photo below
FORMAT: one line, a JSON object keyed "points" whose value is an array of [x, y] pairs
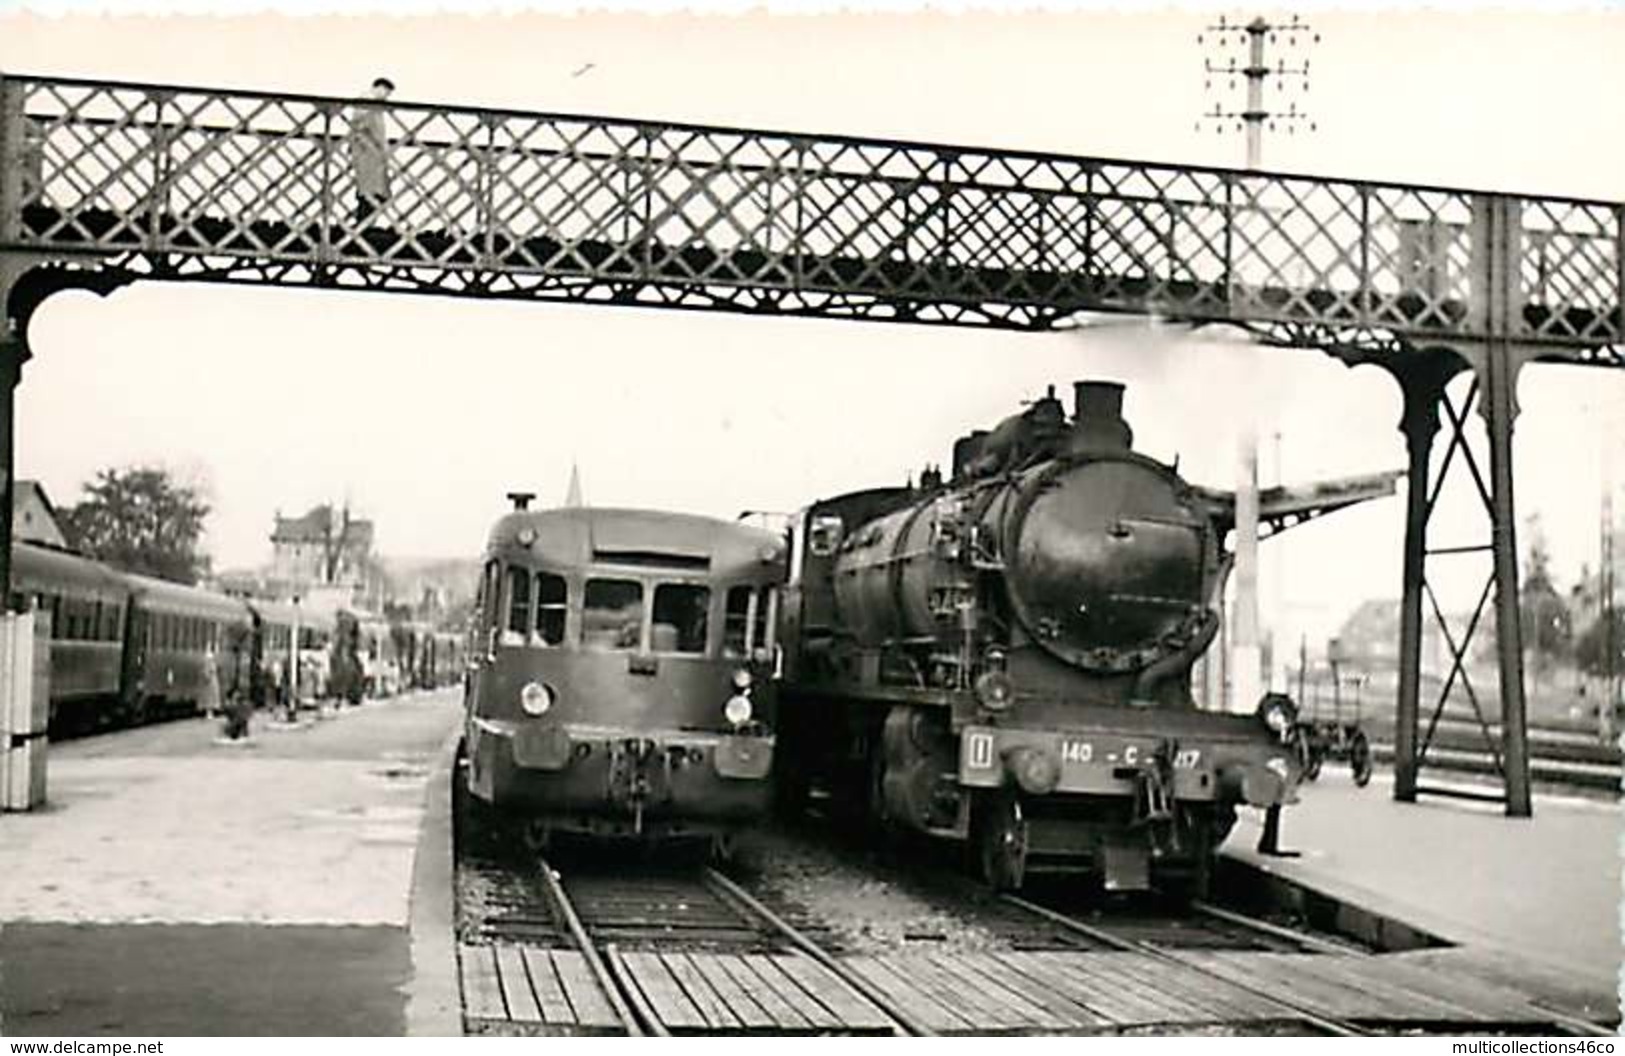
{"points": [[1597, 641], [1548, 628], [141, 520]]}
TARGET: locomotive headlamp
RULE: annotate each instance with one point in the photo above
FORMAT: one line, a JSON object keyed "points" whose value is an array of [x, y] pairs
{"points": [[994, 691], [535, 698], [1278, 712], [1035, 770], [742, 680], [738, 710]]}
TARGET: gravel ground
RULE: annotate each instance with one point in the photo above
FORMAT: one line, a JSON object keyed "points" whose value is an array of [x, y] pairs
{"points": [[867, 910]]}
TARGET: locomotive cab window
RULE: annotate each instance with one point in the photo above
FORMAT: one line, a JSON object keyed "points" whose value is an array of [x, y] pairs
{"points": [[552, 596], [612, 615], [681, 612]]}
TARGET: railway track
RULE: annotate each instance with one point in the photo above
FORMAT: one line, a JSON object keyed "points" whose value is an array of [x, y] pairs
{"points": [[562, 946], [559, 947], [1318, 968]]}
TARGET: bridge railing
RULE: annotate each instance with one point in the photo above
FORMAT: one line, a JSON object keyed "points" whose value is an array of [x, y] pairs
{"points": [[193, 179]]}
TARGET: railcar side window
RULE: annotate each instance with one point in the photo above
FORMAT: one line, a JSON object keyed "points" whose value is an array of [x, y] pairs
{"points": [[766, 608], [490, 589], [736, 622], [552, 596], [612, 614], [518, 602], [680, 617]]}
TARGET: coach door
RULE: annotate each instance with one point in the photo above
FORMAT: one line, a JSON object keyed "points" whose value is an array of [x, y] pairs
{"points": [[131, 683]]}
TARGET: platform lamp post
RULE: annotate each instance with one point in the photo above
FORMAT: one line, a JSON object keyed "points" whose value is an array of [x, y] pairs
{"points": [[293, 664], [1240, 53]]}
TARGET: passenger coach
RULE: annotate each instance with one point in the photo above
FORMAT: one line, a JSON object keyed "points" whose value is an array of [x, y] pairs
{"points": [[622, 680]]}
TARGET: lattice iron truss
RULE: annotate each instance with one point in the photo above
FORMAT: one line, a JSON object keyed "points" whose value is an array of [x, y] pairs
{"points": [[103, 183], [185, 183]]}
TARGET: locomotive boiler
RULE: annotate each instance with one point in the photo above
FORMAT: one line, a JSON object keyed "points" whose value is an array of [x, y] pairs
{"points": [[1004, 656]]}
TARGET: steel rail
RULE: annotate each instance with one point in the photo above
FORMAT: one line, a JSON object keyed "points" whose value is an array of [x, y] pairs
{"points": [[634, 993], [1298, 1011], [589, 951], [1573, 1024], [743, 898], [1264, 927]]}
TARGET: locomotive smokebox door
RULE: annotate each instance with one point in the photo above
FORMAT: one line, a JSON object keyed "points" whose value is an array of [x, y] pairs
{"points": [[1124, 867]]}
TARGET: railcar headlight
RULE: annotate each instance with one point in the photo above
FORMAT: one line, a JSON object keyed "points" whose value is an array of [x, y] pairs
{"points": [[738, 710], [1278, 712], [742, 680], [535, 698]]}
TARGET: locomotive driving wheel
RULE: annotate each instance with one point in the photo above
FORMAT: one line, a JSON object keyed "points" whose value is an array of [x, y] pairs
{"points": [[999, 835], [1360, 758]]}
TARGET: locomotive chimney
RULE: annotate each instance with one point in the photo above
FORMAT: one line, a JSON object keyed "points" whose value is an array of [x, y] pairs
{"points": [[521, 499], [1097, 419]]}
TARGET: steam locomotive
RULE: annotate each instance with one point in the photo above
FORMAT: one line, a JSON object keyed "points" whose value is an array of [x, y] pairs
{"points": [[1004, 658]]}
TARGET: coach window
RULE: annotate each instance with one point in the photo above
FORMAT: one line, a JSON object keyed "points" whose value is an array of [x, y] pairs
{"points": [[518, 607], [612, 614], [736, 622], [552, 597], [680, 613]]}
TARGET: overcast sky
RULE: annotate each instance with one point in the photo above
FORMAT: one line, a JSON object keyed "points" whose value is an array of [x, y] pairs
{"points": [[423, 411]]}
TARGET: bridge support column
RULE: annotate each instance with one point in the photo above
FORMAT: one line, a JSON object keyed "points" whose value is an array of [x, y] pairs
{"points": [[1421, 382], [1500, 409], [13, 354]]}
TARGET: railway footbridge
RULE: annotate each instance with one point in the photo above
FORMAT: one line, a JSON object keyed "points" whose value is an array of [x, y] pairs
{"points": [[105, 183]]}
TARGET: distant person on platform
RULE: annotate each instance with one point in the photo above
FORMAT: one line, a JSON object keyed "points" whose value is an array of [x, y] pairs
{"points": [[369, 152]]}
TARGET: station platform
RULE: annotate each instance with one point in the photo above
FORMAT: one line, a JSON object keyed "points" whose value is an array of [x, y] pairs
{"points": [[179, 884], [1530, 903]]}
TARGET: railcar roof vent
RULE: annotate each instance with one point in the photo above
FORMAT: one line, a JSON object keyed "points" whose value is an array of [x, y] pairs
{"points": [[521, 499]]}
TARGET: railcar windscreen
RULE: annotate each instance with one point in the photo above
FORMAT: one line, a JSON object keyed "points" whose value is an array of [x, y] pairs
{"points": [[612, 614], [552, 600], [680, 618]]}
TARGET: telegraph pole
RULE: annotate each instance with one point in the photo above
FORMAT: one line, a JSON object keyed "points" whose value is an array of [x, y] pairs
{"points": [[1229, 38]]}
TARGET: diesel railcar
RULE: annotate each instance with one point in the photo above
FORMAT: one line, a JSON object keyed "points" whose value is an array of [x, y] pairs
{"points": [[1004, 657], [622, 679]]}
